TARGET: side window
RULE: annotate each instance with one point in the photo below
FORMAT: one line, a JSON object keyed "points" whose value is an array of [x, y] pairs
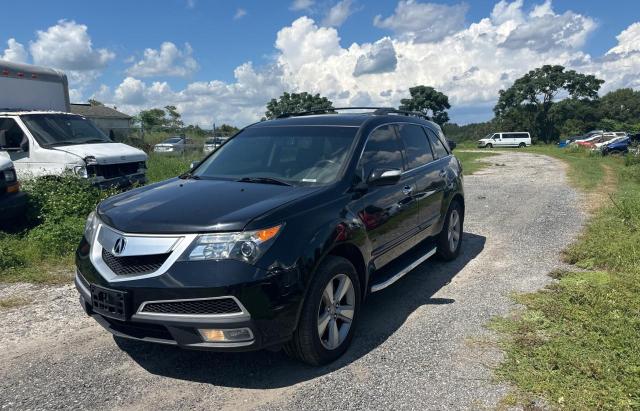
{"points": [[382, 151], [417, 149], [439, 150], [11, 135]]}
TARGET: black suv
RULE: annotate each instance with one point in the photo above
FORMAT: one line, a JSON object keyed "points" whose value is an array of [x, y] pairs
{"points": [[276, 237]]}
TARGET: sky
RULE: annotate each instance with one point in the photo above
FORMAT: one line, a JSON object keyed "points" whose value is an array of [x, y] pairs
{"points": [[222, 61]]}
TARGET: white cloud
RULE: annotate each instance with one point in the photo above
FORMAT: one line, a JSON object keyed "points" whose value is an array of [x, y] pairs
{"points": [[299, 5], [67, 46], [381, 59], [423, 22], [169, 60], [628, 40], [338, 14], [240, 13], [469, 63], [14, 52]]}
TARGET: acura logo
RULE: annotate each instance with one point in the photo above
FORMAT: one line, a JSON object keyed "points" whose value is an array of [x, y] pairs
{"points": [[119, 246]]}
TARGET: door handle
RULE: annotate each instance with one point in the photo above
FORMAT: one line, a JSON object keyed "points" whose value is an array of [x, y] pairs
{"points": [[406, 190]]}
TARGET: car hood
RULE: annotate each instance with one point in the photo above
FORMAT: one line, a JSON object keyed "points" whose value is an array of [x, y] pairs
{"points": [[195, 206], [106, 153]]}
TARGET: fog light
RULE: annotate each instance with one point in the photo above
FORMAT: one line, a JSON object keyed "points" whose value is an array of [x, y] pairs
{"points": [[227, 335]]}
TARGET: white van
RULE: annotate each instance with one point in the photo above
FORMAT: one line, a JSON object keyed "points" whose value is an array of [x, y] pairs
{"points": [[43, 139], [507, 139]]}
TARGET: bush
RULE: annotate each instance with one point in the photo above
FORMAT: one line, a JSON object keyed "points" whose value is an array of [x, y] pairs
{"points": [[57, 238], [10, 256]]}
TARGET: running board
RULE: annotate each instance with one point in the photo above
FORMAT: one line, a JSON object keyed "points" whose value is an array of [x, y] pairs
{"points": [[386, 283]]}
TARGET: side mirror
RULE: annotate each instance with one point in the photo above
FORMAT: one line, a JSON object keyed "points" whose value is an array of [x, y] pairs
{"points": [[452, 144], [384, 176], [194, 164]]}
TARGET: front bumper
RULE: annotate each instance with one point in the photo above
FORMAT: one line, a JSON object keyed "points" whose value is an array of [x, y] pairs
{"points": [[269, 302], [12, 205]]}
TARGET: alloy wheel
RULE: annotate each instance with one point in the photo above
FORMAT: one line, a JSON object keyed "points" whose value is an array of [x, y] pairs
{"points": [[453, 235], [336, 311]]}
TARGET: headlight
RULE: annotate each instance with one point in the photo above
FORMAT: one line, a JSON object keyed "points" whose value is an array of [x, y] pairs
{"points": [[244, 246], [80, 171], [10, 175], [91, 226]]}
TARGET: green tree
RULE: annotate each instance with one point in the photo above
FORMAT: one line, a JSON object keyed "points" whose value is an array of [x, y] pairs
{"points": [[295, 103], [622, 105], [429, 102], [526, 105], [95, 102], [175, 119], [152, 119], [226, 130]]}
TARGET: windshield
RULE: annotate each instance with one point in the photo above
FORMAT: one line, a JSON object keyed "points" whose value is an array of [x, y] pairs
{"points": [[63, 129], [488, 136], [172, 140], [301, 155]]}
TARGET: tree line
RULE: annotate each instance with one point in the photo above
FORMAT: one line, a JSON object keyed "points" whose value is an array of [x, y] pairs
{"points": [[550, 102]]}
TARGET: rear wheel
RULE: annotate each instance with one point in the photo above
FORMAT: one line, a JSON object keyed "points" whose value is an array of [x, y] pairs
{"points": [[522, 145], [329, 314], [450, 238]]}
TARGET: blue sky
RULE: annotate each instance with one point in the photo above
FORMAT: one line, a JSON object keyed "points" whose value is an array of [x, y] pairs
{"points": [[98, 43]]}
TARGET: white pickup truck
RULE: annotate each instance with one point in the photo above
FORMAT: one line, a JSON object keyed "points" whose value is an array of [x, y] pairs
{"points": [[43, 139]]}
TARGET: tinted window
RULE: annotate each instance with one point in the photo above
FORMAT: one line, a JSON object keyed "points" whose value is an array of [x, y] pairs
{"points": [[304, 155], [382, 151], [439, 150], [417, 149]]}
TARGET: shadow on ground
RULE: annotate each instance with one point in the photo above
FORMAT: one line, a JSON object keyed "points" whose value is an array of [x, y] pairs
{"points": [[383, 313]]}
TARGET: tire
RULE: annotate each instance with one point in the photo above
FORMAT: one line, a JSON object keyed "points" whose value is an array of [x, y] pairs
{"points": [[489, 145], [449, 250], [522, 145], [308, 343]]}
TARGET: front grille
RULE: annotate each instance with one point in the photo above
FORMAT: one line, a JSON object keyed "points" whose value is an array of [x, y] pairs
{"points": [[140, 330], [194, 307], [117, 170], [139, 264]]}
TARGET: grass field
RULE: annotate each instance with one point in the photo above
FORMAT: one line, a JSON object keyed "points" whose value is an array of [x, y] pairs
{"points": [[576, 343]]}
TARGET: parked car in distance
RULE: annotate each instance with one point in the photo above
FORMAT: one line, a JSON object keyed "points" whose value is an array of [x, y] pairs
{"points": [[506, 139], [174, 145], [277, 237], [12, 200], [212, 143], [618, 145]]}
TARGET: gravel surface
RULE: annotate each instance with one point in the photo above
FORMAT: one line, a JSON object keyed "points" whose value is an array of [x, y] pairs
{"points": [[421, 344]]}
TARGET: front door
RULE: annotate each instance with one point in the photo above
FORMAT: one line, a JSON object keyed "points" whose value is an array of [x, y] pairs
{"points": [[389, 213]]}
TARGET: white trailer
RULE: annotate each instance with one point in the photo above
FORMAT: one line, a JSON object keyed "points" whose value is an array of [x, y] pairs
{"points": [[26, 87]]}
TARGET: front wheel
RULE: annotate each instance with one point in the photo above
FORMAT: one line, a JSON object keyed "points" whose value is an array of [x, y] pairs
{"points": [[450, 238], [489, 145], [329, 314]]}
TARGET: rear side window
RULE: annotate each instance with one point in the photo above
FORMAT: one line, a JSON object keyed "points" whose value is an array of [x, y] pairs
{"points": [[439, 149], [382, 151], [417, 148]]}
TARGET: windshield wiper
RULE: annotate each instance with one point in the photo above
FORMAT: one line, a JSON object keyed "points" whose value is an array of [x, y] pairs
{"points": [[96, 140], [187, 176], [264, 180], [63, 143]]}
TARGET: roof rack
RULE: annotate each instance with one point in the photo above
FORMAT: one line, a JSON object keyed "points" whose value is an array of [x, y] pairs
{"points": [[377, 111]]}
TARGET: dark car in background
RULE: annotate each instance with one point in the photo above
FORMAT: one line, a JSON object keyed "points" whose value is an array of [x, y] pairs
{"points": [[277, 237], [12, 200]]}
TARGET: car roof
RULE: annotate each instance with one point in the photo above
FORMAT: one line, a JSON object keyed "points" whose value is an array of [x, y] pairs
{"points": [[342, 120]]}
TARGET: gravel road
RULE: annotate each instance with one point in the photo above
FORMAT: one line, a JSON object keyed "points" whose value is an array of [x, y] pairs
{"points": [[421, 344]]}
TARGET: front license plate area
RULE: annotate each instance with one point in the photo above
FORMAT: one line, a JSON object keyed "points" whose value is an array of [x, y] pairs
{"points": [[109, 303]]}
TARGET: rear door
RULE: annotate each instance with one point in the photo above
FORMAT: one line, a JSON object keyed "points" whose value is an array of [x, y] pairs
{"points": [[389, 213], [422, 172]]}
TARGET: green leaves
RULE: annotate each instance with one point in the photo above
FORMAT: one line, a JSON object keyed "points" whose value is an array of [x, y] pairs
{"points": [[429, 102], [295, 103]]}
